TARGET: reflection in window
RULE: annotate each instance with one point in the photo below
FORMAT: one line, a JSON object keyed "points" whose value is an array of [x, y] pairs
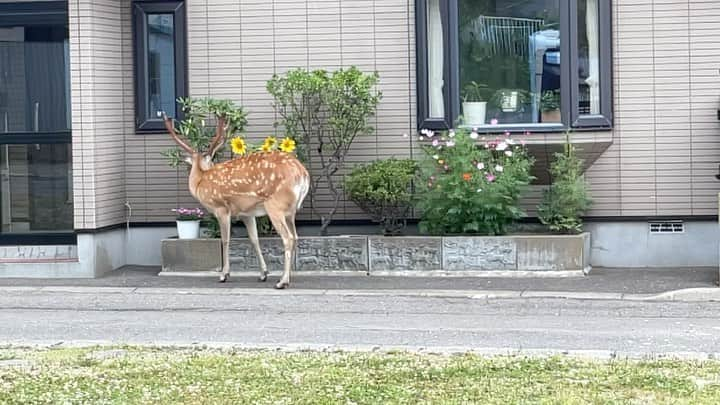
{"points": [[161, 63], [436, 63], [588, 57], [509, 56], [35, 188], [34, 79]]}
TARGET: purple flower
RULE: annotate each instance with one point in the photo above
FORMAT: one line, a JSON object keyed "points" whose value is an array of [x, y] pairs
{"points": [[494, 121], [490, 177]]}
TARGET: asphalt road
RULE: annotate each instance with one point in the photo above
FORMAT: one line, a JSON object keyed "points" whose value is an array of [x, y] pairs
{"points": [[166, 316]]}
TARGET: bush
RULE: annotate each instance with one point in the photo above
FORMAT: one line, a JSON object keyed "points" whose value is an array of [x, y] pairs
{"points": [[324, 113], [471, 188], [383, 189], [567, 198]]}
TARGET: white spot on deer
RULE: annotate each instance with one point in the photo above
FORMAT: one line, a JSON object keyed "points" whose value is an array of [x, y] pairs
{"points": [[272, 177]]}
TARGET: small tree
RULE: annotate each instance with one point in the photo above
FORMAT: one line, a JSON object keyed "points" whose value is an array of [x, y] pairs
{"points": [[324, 113], [567, 198]]}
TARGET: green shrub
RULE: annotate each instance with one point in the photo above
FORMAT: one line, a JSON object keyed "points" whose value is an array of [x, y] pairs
{"points": [[470, 185], [383, 189], [567, 198]]}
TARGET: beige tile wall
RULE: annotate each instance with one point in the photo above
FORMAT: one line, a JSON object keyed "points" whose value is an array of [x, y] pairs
{"points": [[101, 109], [666, 59]]}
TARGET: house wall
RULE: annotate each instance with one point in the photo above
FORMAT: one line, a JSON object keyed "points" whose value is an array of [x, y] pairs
{"points": [[102, 110], [666, 140]]}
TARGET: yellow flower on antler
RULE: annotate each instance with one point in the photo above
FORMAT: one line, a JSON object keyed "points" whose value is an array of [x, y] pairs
{"points": [[269, 144], [287, 145], [239, 147]]}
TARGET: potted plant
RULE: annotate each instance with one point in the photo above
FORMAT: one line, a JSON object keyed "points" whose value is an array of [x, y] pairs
{"points": [[474, 107], [509, 100], [550, 106], [188, 222]]}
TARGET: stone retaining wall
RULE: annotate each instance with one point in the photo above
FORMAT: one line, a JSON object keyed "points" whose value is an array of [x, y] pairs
{"points": [[370, 254]]}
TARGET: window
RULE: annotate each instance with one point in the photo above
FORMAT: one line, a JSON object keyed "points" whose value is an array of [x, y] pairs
{"points": [[497, 65], [36, 197], [159, 61]]}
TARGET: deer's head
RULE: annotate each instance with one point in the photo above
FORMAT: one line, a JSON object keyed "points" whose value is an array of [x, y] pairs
{"points": [[195, 158]]}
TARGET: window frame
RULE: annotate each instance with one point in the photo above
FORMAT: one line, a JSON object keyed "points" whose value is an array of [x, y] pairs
{"points": [[569, 93], [141, 9]]}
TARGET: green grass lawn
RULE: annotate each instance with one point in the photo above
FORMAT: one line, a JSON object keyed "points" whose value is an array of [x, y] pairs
{"points": [[163, 376]]}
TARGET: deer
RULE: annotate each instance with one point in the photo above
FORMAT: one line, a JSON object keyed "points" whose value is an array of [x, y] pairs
{"points": [[273, 183]]}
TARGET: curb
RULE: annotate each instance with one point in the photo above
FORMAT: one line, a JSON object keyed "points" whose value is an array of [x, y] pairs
{"points": [[602, 355], [685, 295], [401, 273]]}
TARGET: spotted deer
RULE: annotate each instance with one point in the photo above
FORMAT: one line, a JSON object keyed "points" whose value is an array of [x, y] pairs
{"points": [[263, 183]]}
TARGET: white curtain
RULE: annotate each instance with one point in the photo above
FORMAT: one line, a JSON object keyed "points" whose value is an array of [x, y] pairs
{"points": [[593, 80], [435, 60]]}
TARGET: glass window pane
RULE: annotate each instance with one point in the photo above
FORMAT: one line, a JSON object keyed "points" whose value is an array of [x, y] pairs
{"points": [[36, 188], [34, 79], [436, 60], [161, 64], [509, 61], [588, 57]]}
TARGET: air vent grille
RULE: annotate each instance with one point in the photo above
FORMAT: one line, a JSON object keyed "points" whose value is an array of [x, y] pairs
{"points": [[667, 227]]}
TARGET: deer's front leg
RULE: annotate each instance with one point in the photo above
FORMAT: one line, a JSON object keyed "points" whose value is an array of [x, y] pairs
{"points": [[224, 221], [251, 226]]}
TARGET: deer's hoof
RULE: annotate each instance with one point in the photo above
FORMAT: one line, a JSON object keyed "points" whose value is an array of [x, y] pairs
{"points": [[263, 278], [281, 286], [224, 278]]}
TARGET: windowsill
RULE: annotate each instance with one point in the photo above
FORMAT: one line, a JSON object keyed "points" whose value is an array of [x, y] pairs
{"points": [[531, 128]]}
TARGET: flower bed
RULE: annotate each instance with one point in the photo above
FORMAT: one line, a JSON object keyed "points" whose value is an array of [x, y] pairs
{"points": [[382, 255]]}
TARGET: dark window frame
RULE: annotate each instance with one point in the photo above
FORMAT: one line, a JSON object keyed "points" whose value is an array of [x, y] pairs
{"points": [[143, 122], [571, 117]]}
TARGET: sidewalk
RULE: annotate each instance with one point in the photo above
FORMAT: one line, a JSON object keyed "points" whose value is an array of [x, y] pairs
{"points": [[693, 283]]}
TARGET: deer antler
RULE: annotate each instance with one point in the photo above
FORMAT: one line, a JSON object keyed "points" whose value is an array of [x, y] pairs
{"points": [[219, 138], [171, 130]]}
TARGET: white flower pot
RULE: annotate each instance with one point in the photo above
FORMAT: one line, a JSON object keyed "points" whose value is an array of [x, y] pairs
{"points": [[474, 112], [188, 229]]}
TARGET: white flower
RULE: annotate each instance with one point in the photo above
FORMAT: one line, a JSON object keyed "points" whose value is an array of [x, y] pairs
{"points": [[436, 157], [508, 153], [450, 143], [499, 169], [451, 133], [510, 141], [479, 190], [501, 146], [481, 166], [474, 135]]}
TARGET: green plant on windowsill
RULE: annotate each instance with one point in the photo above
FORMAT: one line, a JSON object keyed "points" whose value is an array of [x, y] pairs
{"points": [[510, 100], [550, 101], [474, 92]]}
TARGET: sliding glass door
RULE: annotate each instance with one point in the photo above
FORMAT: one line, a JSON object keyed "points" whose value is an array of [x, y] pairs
{"points": [[35, 151]]}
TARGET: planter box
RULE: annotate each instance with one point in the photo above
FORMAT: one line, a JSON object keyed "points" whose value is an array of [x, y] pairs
{"points": [[405, 253], [521, 253]]}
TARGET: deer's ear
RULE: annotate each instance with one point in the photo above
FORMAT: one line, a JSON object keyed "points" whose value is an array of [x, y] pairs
{"points": [[188, 160]]}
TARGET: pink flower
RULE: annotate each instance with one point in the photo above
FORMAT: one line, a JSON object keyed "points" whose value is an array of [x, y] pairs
{"points": [[507, 133], [494, 121], [435, 142], [490, 177]]}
